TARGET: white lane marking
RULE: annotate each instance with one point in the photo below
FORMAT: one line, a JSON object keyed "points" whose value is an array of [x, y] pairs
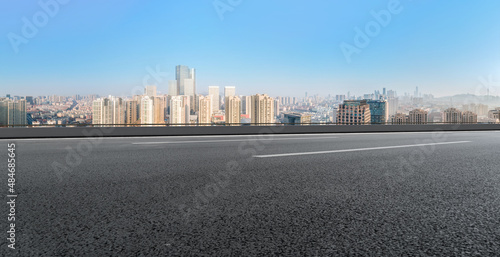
{"points": [[252, 135], [355, 150], [234, 140]]}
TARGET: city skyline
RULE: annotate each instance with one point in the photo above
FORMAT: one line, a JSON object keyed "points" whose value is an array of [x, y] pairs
{"points": [[444, 49]]}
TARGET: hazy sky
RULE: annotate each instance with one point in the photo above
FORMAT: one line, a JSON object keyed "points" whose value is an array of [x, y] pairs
{"points": [[280, 47]]}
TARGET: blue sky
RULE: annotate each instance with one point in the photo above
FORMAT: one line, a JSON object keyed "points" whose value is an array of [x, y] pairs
{"points": [[280, 47]]}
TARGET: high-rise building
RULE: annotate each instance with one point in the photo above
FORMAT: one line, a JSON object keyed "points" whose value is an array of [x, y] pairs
{"points": [[399, 118], [13, 112], [180, 109], [213, 91], [160, 106], [276, 107], [108, 111], [173, 87], [186, 83], [229, 91], [150, 91], [29, 99], [131, 112], [378, 111], [262, 109], [186, 80], [452, 115], [479, 109], [147, 110], [233, 110], [4, 112], [17, 113], [354, 112], [205, 110], [482, 110], [393, 105], [417, 116], [469, 117], [340, 98], [246, 105], [391, 94]]}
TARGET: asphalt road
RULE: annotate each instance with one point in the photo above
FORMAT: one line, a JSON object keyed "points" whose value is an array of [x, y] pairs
{"points": [[395, 194]]}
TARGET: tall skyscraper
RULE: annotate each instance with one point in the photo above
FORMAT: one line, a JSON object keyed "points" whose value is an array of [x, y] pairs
{"points": [[4, 112], [213, 91], [147, 110], [246, 105], [393, 105], [131, 112], [378, 111], [160, 106], [173, 87], [354, 112], [180, 109], [13, 112], [233, 110], [229, 91], [205, 110], [262, 109], [276, 106], [150, 91], [417, 116], [17, 113], [186, 80], [108, 111]]}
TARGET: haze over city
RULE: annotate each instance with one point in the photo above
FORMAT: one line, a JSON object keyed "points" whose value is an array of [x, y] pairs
{"points": [[107, 48]]}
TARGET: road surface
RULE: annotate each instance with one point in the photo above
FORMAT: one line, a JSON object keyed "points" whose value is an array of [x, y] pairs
{"points": [[294, 195]]}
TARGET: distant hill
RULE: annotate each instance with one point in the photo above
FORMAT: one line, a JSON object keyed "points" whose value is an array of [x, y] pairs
{"points": [[470, 98]]}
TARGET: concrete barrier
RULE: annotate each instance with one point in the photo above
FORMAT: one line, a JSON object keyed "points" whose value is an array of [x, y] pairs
{"points": [[75, 132]]}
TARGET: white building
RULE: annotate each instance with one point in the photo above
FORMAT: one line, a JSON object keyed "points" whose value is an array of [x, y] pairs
{"points": [[109, 111], [233, 110], [262, 109], [147, 110], [229, 91], [205, 110], [213, 91], [150, 90], [180, 109]]}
